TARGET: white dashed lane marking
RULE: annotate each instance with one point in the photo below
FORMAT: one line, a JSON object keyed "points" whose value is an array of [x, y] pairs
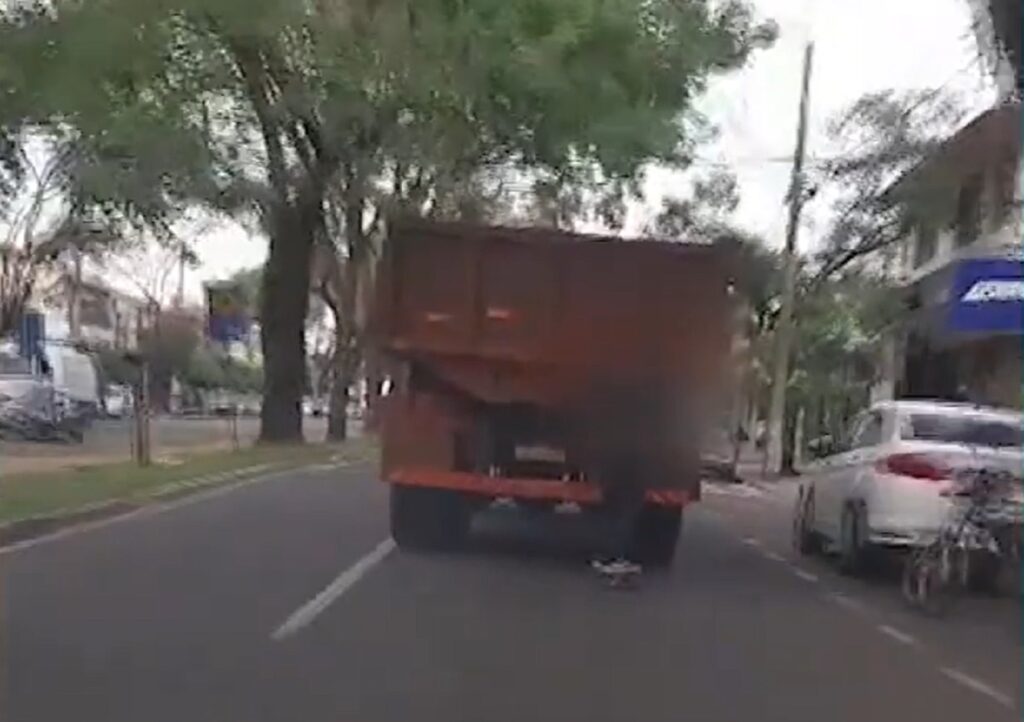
{"points": [[751, 541], [774, 557], [898, 635], [805, 575], [735, 490], [978, 686], [846, 602], [309, 611]]}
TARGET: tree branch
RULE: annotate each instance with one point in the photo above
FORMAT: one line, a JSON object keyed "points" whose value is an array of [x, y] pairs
{"points": [[249, 63], [878, 239]]}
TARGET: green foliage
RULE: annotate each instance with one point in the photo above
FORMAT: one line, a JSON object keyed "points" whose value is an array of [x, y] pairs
{"points": [[114, 368], [840, 329], [169, 343], [319, 118], [204, 370], [757, 277], [242, 377], [251, 282], [210, 369], [169, 100], [886, 135], [704, 215]]}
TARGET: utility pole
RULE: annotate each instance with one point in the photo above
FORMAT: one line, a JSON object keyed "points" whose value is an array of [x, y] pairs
{"points": [[784, 329]]}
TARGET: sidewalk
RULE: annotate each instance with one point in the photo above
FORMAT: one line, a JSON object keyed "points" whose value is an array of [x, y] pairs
{"points": [[751, 464]]}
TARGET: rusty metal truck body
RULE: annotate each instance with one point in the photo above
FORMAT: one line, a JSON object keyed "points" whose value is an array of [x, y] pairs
{"points": [[538, 365]]}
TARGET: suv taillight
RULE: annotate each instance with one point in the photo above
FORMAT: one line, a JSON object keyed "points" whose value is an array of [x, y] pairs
{"points": [[918, 466]]}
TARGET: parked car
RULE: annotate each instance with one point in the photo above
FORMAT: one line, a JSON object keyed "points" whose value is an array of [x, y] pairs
{"points": [[32, 409], [889, 485]]}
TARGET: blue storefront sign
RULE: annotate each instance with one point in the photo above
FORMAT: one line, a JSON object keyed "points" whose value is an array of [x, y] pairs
{"points": [[987, 296], [227, 313]]}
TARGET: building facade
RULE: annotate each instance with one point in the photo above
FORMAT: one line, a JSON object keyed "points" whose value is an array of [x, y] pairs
{"points": [[90, 311], [961, 270]]}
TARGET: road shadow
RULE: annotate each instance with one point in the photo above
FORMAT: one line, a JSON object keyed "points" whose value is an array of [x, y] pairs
{"points": [[554, 539], [538, 536]]}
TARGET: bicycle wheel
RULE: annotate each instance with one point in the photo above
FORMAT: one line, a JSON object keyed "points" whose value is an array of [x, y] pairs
{"points": [[926, 580], [908, 580]]}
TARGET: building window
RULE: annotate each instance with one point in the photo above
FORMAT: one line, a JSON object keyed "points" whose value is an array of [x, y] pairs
{"points": [[925, 245], [968, 211]]}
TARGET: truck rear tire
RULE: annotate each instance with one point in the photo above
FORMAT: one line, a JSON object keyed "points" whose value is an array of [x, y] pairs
{"points": [[428, 519], [656, 535]]}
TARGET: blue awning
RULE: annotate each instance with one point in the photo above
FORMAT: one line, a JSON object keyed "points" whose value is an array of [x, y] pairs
{"points": [[987, 297]]}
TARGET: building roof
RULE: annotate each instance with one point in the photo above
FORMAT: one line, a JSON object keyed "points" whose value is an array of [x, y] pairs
{"points": [[990, 138]]}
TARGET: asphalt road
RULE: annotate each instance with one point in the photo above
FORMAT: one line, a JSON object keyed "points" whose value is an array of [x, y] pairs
{"points": [[284, 600]]}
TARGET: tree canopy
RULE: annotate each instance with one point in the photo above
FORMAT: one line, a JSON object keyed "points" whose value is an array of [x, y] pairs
{"points": [[884, 135], [317, 118]]}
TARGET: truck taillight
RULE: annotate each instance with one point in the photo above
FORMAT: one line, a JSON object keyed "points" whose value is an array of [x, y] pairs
{"points": [[917, 466]]}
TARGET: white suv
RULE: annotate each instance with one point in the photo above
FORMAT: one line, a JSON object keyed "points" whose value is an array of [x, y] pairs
{"points": [[889, 484]]}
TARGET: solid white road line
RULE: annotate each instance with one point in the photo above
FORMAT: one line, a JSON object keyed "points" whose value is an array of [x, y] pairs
{"points": [[900, 636], [342, 583], [978, 686], [805, 575]]}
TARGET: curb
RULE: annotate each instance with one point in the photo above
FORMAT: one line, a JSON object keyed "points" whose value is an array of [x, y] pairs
{"points": [[30, 528]]}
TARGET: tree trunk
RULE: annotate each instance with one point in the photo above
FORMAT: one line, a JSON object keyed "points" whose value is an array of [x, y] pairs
{"points": [[285, 302], [347, 346], [337, 422], [788, 430], [374, 379]]}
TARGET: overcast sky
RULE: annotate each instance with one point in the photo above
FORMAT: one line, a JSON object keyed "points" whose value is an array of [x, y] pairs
{"points": [[860, 47]]}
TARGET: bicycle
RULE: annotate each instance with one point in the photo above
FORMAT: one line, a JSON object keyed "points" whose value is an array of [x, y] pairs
{"points": [[935, 572]]}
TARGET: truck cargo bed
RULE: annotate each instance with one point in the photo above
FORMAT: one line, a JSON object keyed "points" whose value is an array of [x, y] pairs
{"points": [[537, 316]]}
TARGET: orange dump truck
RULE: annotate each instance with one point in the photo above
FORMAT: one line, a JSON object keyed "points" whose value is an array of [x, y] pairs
{"points": [[545, 367]]}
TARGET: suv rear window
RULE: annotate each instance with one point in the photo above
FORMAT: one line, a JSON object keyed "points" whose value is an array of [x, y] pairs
{"points": [[977, 431]]}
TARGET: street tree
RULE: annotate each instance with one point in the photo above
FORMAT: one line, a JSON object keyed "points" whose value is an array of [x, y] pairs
{"points": [[42, 227], [168, 345], [152, 270], [317, 119], [883, 135], [702, 216], [841, 326]]}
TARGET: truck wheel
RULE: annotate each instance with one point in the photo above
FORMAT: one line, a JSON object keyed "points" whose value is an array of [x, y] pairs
{"points": [[429, 519], [656, 534]]}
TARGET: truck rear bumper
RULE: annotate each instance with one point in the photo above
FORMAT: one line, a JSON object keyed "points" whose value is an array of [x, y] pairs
{"points": [[582, 493]]}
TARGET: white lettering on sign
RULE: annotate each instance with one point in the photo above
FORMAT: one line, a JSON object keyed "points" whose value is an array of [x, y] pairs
{"points": [[995, 289]]}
